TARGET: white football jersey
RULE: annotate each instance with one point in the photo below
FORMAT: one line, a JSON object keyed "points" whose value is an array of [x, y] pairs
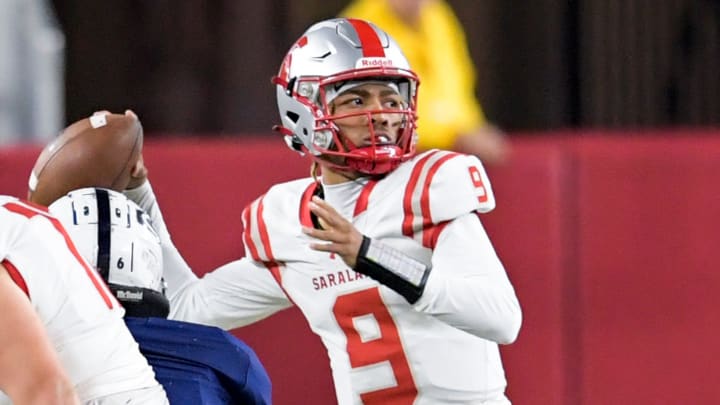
{"points": [[82, 318], [442, 349]]}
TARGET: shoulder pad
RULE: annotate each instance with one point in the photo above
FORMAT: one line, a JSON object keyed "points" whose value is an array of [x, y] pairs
{"points": [[443, 186], [272, 222]]}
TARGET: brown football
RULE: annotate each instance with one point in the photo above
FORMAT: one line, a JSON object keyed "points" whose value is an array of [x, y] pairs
{"points": [[99, 151]]}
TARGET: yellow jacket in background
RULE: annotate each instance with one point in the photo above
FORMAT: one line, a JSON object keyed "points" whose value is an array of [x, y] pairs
{"points": [[438, 53]]}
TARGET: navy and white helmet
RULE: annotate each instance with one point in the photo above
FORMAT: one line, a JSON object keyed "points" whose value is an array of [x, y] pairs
{"points": [[116, 237], [330, 56]]}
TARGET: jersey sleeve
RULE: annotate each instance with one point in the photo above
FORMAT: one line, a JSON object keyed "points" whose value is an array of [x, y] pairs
{"points": [[458, 186], [442, 186], [272, 224], [176, 272], [468, 287], [233, 295]]}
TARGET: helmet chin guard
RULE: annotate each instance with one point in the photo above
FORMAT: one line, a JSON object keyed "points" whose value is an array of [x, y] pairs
{"points": [[330, 57], [375, 160]]}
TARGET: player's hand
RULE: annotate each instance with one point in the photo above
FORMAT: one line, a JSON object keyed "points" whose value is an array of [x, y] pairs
{"points": [[339, 236], [138, 174]]}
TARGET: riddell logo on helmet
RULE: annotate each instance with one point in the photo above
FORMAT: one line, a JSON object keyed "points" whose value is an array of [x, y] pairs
{"points": [[373, 62]]}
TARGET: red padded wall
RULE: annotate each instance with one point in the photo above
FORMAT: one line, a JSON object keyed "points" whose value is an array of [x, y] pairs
{"points": [[611, 243], [526, 229], [649, 238]]}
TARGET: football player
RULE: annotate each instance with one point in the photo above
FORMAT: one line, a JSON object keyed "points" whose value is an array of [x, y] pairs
{"points": [[41, 379], [81, 318], [196, 364], [382, 250]]}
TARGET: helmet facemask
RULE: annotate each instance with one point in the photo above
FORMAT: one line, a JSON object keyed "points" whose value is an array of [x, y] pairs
{"points": [[327, 61], [390, 130]]}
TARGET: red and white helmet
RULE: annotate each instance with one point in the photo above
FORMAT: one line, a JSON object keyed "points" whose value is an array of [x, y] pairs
{"points": [[330, 56]]}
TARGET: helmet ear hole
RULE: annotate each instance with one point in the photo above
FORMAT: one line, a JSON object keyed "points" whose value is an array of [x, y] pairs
{"points": [[294, 143], [294, 117]]}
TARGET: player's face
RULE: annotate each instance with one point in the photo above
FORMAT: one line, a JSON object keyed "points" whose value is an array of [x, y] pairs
{"points": [[368, 106]]}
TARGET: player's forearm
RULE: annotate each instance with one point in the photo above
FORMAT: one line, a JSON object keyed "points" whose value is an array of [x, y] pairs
{"points": [[480, 305], [468, 287], [230, 296], [192, 304], [144, 196], [176, 271]]}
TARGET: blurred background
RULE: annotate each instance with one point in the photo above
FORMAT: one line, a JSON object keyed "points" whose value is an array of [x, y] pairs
{"points": [[203, 67], [608, 216]]}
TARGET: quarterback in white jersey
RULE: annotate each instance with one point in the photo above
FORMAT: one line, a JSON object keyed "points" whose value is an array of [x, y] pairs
{"points": [[81, 317], [383, 251]]}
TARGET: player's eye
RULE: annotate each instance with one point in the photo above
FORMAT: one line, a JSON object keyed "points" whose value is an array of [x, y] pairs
{"points": [[392, 104], [350, 102]]}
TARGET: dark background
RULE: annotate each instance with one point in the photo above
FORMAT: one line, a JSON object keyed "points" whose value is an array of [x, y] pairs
{"points": [[202, 67]]}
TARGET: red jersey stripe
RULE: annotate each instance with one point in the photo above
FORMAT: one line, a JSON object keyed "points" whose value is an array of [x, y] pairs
{"points": [[435, 232], [264, 236], [29, 212], [371, 45], [16, 276], [247, 234], [362, 202], [407, 225], [274, 269], [425, 199], [304, 213]]}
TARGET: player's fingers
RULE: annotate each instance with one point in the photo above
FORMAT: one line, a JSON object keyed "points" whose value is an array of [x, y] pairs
{"points": [[138, 174], [323, 247], [325, 211], [320, 208], [331, 220], [316, 233], [338, 239]]}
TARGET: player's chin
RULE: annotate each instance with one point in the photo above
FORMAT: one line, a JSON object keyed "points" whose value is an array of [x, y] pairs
{"points": [[334, 162]]}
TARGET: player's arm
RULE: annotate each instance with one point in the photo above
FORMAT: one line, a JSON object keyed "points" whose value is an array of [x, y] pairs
{"points": [[465, 285], [391, 267], [468, 287], [176, 272], [236, 294], [30, 372]]}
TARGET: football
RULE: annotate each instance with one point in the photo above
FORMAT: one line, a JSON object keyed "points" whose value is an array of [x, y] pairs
{"points": [[98, 151]]}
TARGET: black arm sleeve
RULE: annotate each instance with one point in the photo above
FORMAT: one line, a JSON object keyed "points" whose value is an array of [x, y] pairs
{"points": [[392, 268]]}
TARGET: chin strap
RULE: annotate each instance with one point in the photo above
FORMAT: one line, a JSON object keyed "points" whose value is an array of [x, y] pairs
{"points": [[392, 268], [141, 302]]}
